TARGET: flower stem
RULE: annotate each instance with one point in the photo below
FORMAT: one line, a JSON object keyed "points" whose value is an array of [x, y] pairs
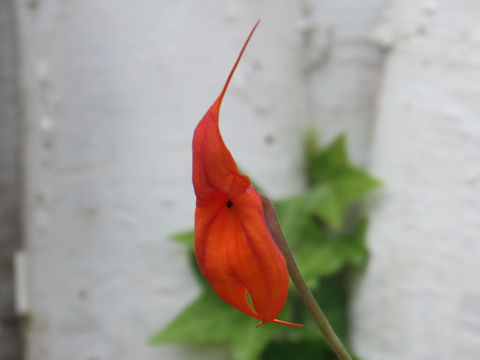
{"points": [[297, 279]]}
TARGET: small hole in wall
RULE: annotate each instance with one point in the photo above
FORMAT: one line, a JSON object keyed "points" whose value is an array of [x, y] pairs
{"points": [[269, 139], [82, 294]]}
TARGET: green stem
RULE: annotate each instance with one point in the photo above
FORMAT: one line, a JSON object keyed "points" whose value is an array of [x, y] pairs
{"points": [[297, 279]]}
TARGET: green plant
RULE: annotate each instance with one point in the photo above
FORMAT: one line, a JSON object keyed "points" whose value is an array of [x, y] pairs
{"points": [[326, 235]]}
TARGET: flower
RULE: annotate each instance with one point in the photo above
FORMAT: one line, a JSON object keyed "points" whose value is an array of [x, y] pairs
{"points": [[233, 246]]}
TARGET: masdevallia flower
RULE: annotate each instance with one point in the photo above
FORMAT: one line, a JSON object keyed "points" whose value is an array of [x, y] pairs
{"points": [[233, 246]]}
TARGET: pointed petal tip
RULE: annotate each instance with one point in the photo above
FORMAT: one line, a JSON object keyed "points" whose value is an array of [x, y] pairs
{"points": [[280, 322], [220, 97]]}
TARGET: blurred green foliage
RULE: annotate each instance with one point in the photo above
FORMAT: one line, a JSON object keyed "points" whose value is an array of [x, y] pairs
{"points": [[326, 233]]}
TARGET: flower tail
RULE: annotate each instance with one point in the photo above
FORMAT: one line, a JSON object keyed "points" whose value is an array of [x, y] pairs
{"points": [[281, 322]]}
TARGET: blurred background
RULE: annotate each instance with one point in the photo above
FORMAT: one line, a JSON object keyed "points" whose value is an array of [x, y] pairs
{"points": [[98, 102]]}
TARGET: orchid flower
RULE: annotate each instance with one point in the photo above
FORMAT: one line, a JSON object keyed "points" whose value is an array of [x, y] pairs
{"points": [[233, 246]]}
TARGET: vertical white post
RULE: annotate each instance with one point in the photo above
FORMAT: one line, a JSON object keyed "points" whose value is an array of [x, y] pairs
{"points": [[420, 297]]}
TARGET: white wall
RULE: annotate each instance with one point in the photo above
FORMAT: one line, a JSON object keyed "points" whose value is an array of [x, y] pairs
{"points": [[420, 298], [112, 91], [343, 67]]}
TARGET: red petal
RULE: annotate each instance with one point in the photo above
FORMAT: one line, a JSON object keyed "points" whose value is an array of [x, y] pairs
{"points": [[236, 254], [213, 165]]}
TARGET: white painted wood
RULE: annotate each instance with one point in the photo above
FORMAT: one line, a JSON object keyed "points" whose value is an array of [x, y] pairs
{"points": [[343, 67], [112, 91], [420, 297]]}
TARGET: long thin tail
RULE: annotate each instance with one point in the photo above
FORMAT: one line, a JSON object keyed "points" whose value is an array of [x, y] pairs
{"points": [[281, 322], [219, 99]]}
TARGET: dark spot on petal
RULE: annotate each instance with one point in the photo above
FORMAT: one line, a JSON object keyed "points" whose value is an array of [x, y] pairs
{"points": [[229, 204]]}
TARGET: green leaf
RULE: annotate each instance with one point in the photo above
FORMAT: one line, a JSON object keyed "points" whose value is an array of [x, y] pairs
{"points": [[336, 183], [199, 323], [185, 238], [332, 298], [249, 342], [328, 163], [326, 256], [208, 320], [319, 253], [295, 219], [322, 201], [288, 350]]}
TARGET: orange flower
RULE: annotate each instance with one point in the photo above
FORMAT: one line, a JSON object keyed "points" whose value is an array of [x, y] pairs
{"points": [[234, 249]]}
